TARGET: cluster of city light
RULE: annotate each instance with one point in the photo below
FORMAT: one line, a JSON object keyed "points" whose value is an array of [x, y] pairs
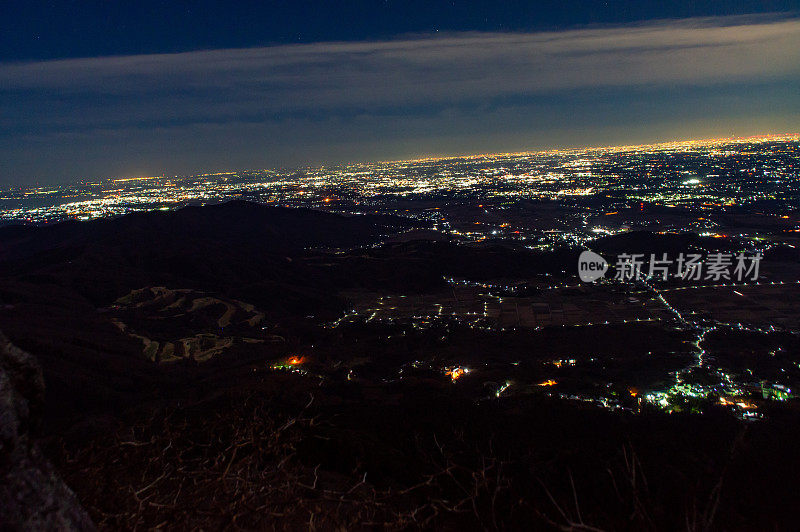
{"points": [[600, 192], [742, 171]]}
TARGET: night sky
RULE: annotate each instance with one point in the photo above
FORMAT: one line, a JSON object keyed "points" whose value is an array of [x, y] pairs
{"points": [[102, 89]]}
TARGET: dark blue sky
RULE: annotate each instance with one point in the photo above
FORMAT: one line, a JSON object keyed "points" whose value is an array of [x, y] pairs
{"points": [[94, 89], [31, 30]]}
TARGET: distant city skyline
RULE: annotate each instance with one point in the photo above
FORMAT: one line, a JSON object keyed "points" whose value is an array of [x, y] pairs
{"points": [[735, 171]]}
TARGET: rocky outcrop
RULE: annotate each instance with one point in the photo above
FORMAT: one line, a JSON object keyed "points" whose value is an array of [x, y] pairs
{"points": [[32, 496]]}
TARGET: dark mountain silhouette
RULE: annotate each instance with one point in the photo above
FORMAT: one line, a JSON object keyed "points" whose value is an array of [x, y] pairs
{"points": [[57, 282], [240, 436], [238, 246]]}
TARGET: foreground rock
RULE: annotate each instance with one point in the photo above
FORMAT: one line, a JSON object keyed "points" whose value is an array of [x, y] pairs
{"points": [[32, 496]]}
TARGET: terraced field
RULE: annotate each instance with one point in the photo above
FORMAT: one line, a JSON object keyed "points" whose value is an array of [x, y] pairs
{"points": [[176, 324]]}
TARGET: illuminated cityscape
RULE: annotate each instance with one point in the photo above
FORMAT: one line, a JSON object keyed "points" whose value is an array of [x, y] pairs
{"points": [[740, 194], [379, 265], [708, 176]]}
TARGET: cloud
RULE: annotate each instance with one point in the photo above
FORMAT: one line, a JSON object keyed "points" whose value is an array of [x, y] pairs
{"points": [[293, 86]]}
